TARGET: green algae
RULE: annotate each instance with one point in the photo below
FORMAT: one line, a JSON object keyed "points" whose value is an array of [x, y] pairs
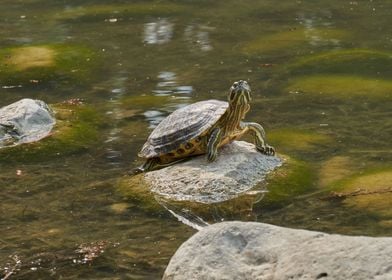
{"points": [[365, 62], [370, 191], [121, 10], [46, 63], [290, 140], [294, 178], [334, 169], [341, 86], [137, 191], [75, 131], [292, 38]]}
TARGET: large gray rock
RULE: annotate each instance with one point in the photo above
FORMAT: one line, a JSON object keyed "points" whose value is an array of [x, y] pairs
{"points": [[240, 250], [238, 168], [25, 121]]}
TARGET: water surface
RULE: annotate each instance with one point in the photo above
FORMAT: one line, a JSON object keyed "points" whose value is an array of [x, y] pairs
{"points": [[153, 57]]}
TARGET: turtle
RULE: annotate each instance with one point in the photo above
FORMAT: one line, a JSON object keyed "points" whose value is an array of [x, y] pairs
{"points": [[202, 128]]}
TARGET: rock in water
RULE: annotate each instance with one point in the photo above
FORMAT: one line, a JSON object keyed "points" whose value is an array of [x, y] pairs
{"points": [[25, 121], [238, 168], [245, 250]]}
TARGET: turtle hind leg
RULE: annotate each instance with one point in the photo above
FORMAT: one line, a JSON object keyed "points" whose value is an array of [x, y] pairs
{"points": [[152, 164], [149, 165]]}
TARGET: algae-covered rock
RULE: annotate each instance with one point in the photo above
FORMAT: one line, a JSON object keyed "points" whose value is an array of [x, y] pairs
{"points": [[371, 191], [46, 63], [136, 190], [76, 129], [25, 121], [362, 62], [238, 168], [198, 192], [341, 86], [294, 38], [283, 185], [289, 140]]}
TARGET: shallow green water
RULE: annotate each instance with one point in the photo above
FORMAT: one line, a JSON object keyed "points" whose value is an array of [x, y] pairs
{"points": [[317, 68]]}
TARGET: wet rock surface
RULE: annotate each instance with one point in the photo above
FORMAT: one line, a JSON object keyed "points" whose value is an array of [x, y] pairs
{"points": [[240, 250], [25, 121], [238, 168]]}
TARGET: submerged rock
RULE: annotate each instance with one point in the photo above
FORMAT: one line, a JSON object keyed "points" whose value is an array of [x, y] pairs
{"points": [[238, 168], [25, 121], [46, 64], [371, 192], [342, 86], [356, 62], [239, 250], [76, 129]]}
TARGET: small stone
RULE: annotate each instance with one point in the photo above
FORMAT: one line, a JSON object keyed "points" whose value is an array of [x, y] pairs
{"points": [[119, 208]]}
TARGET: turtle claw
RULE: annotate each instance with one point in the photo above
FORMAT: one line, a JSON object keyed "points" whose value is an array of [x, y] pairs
{"points": [[211, 157], [267, 150]]}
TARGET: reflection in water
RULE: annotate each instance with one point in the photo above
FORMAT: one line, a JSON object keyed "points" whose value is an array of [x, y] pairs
{"points": [[168, 86], [198, 36], [313, 35], [184, 215], [115, 112], [159, 32], [154, 117], [199, 215]]}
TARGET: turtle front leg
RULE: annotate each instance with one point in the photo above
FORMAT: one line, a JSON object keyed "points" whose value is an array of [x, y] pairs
{"points": [[259, 136], [213, 142]]}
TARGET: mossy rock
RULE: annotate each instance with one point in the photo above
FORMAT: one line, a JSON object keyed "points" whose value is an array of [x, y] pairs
{"points": [[104, 11], [341, 86], [290, 140], [361, 62], [46, 63], [294, 178], [136, 189], [297, 37], [76, 130], [370, 191]]}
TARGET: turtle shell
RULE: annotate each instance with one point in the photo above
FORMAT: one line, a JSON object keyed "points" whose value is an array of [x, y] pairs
{"points": [[181, 126]]}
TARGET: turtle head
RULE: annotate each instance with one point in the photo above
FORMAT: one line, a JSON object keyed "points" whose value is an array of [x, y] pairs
{"points": [[240, 93]]}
